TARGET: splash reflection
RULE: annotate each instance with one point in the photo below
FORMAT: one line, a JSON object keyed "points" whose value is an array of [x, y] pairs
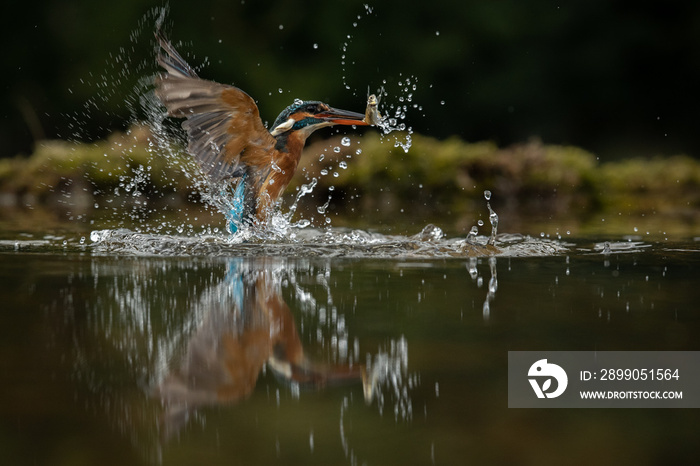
{"points": [[158, 343], [493, 286], [245, 327]]}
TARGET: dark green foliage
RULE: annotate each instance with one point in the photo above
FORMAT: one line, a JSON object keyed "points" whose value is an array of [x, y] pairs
{"points": [[617, 78]]}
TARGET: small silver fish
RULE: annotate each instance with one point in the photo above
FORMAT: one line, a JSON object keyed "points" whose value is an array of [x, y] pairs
{"points": [[372, 115]]}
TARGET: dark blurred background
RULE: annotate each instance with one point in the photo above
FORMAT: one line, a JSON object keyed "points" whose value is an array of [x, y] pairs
{"points": [[618, 78]]}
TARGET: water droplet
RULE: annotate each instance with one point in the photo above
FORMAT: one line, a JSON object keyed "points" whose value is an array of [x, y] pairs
{"points": [[315, 46], [606, 248], [480, 223], [487, 195], [280, 90], [343, 165], [281, 26], [345, 141], [336, 149]]}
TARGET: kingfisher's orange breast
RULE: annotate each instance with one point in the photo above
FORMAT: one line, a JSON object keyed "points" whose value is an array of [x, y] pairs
{"points": [[284, 165]]}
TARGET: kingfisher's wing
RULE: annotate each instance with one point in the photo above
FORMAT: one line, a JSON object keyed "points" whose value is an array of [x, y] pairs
{"points": [[223, 122]]}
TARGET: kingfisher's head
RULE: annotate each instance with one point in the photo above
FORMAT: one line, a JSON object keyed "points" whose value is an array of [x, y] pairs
{"points": [[304, 117]]}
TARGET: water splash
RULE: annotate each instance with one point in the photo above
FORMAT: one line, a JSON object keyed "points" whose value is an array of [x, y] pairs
{"points": [[472, 235], [396, 111], [493, 218], [305, 241], [141, 196], [322, 208]]}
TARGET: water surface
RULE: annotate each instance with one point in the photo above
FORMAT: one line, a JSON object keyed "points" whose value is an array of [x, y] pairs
{"points": [[332, 347]]}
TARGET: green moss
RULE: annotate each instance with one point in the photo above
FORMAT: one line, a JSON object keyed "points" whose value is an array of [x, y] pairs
{"points": [[102, 166], [443, 177], [667, 185], [453, 172], [657, 175]]}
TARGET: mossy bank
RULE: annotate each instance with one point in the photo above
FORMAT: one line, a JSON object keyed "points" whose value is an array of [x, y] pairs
{"points": [[372, 177]]}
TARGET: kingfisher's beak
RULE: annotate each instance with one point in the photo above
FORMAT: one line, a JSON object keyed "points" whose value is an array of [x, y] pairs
{"points": [[342, 117]]}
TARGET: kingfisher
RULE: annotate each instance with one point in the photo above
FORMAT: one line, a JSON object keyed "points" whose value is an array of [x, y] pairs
{"points": [[229, 142]]}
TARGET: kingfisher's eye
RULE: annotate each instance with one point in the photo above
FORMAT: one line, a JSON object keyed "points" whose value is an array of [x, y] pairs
{"points": [[316, 108]]}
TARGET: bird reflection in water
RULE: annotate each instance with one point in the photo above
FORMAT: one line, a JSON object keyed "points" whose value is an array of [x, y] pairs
{"points": [[244, 326]]}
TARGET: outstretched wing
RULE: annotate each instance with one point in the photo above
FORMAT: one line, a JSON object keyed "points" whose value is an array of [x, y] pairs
{"points": [[222, 123]]}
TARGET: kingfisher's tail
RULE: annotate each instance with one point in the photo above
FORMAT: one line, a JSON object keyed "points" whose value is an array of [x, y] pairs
{"points": [[234, 216]]}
